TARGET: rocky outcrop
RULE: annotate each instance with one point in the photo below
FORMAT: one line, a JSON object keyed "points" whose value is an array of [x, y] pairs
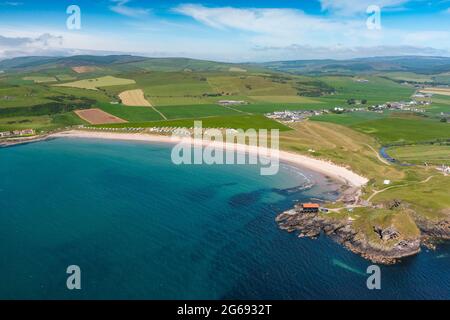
{"points": [[431, 229], [391, 249]]}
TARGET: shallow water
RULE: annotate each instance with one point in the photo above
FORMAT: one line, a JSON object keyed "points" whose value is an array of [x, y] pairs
{"points": [[140, 227]]}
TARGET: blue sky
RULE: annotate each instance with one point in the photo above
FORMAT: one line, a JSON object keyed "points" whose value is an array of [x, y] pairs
{"points": [[226, 30]]}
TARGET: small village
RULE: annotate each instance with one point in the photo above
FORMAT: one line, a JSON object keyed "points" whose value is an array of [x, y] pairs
{"points": [[17, 133], [289, 116]]}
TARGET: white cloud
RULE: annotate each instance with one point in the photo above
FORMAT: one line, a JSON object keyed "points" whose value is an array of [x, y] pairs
{"points": [[23, 45], [350, 7], [121, 7], [272, 26]]}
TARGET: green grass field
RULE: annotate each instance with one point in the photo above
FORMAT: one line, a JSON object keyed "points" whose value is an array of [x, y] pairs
{"points": [[348, 119], [419, 154], [376, 91], [397, 130], [195, 111], [131, 114], [12, 96]]}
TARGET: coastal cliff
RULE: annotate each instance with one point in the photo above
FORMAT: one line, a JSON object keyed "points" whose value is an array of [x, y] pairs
{"points": [[377, 243]]}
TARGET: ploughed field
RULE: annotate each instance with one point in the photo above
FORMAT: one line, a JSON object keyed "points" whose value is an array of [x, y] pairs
{"points": [[97, 116]]}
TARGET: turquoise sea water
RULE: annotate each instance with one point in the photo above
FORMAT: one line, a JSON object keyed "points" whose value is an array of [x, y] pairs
{"points": [[142, 228]]}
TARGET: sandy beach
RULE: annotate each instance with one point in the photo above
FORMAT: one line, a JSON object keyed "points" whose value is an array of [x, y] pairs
{"points": [[327, 168]]}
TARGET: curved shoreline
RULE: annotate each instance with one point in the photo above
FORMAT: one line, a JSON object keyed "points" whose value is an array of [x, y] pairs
{"points": [[327, 168]]}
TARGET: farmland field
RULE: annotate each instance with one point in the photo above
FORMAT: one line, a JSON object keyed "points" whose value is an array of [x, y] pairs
{"points": [[284, 99], [132, 114], [94, 84], [375, 91], [350, 118], [84, 69], [46, 122], [134, 98], [195, 111], [97, 116], [441, 91]]}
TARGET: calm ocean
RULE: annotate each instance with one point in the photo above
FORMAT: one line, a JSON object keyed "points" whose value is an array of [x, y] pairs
{"points": [[140, 227]]}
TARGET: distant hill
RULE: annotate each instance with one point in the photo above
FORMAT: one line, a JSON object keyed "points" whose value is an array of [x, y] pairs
{"points": [[118, 63], [129, 63], [416, 64]]}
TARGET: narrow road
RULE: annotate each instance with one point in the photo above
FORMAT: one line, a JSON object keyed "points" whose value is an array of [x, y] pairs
{"points": [[237, 110], [398, 186], [160, 113]]}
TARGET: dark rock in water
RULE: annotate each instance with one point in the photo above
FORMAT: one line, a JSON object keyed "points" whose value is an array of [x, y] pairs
{"points": [[245, 199], [289, 191]]}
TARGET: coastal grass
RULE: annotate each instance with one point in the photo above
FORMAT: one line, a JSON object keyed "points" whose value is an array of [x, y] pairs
{"points": [[367, 219], [343, 146], [429, 199]]}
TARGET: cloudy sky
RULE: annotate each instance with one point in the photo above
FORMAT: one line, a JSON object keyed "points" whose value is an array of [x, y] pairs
{"points": [[230, 30]]}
